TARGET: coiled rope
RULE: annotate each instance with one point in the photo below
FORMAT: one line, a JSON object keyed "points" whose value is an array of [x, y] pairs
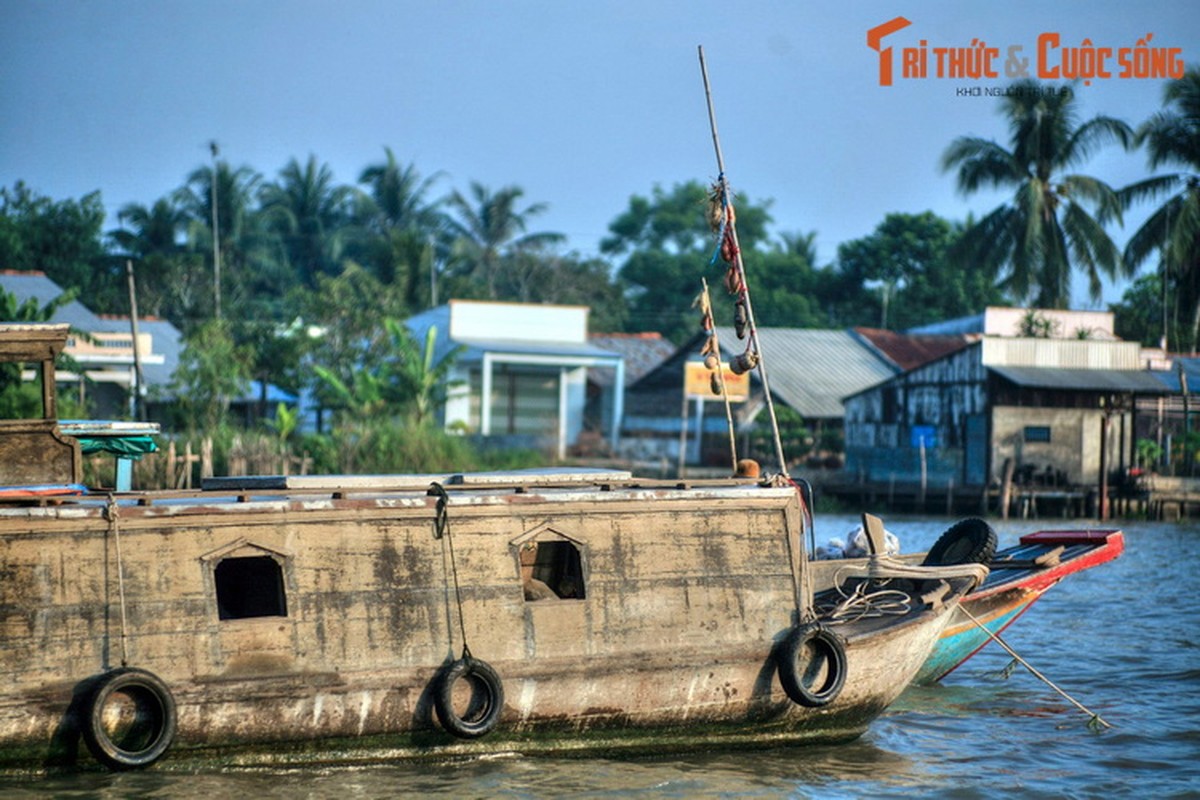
{"points": [[858, 604]]}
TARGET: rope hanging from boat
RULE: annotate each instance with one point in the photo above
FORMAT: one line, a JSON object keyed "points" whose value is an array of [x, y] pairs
{"points": [[441, 529], [712, 360], [1096, 720], [723, 218], [113, 514]]}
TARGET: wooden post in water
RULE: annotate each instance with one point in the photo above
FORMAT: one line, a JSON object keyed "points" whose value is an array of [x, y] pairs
{"points": [[1006, 487], [1103, 505]]}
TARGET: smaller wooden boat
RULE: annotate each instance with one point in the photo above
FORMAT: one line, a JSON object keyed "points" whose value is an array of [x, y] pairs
{"points": [[1019, 576]]}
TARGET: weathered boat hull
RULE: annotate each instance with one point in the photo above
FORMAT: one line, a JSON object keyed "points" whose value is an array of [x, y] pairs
{"points": [[669, 606], [1010, 592]]}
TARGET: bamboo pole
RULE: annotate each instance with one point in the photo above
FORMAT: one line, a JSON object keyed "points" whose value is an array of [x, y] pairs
{"points": [[706, 309], [741, 268], [1095, 718]]}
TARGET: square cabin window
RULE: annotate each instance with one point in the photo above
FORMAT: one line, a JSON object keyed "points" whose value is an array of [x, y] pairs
{"points": [[1037, 433], [250, 587]]}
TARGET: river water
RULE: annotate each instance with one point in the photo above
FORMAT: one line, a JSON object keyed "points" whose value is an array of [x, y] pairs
{"points": [[1123, 639]]}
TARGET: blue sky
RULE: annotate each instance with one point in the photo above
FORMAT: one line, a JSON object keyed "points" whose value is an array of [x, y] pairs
{"points": [[580, 104]]}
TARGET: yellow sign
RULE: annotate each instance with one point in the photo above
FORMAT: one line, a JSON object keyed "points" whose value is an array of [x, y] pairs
{"points": [[698, 379]]}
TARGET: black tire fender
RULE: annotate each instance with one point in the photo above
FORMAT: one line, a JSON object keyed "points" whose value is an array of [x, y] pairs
{"points": [[484, 706], [968, 541], [136, 730], [799, 658]]}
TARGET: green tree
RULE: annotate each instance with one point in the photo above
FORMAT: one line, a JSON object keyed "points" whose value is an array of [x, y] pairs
{"points": [[1138, 316], [213, 369], [254, 271], [311, 214], [398, 194], [487, 227], [1045, 229], [1172, 137], [19, 400], [345, 312], [535, 276], [170, 280], [669, 246], [406, 382], [905, 263], [404, 228], [61, 239], [676, 222]]}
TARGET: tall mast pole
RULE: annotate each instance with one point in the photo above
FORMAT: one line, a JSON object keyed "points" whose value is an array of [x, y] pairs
{"points": [[741, 267], [216, 235]]}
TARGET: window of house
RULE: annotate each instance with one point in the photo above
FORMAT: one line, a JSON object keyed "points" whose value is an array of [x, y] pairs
{"points": [[524, 401], [250, 586], [1037, 433], [551, 569]]}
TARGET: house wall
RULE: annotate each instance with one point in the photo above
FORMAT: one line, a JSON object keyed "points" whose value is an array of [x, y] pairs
{"points": [[940, 400], [1067, 324], [934, 400], [1074, 445], [1069, 354], [522, 321]]}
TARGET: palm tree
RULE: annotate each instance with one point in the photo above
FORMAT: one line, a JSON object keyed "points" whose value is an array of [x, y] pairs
{"points": [[1172, 137], [488, 227], [1045, 229], [309, 212], [397, 196], [151, 237], [408, 227], [241, 240]]}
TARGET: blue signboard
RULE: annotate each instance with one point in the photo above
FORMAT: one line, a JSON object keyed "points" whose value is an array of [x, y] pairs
{"points": [[928, 433]]}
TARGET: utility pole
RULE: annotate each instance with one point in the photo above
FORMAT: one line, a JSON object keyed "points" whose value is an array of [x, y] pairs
{"points": [[216, 235], [1166, 251], [139, 407]]}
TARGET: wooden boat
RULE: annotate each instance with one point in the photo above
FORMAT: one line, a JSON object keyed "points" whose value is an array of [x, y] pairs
{"points": [[348, 618], [1019, 576]]}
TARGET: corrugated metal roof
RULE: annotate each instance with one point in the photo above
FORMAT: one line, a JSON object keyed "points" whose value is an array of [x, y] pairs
{"points": [[1170, 378], [35, 285], [1100, 380], [642, 352], [911, 351], [812, 370]]}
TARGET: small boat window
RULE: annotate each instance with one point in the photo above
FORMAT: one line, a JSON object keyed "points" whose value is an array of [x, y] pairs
{"points": [[250, 586], [552, 569]]}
